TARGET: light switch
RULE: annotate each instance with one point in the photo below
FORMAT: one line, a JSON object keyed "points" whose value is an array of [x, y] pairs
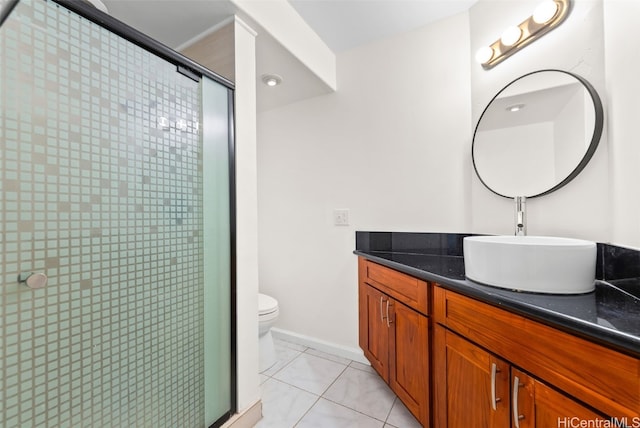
{"points": [[341, 217]]}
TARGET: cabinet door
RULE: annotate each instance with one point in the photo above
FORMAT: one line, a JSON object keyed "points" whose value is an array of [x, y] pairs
{"points": [[409, 359], [535, 405], [568, 362], [373, 329], [472, 385]]}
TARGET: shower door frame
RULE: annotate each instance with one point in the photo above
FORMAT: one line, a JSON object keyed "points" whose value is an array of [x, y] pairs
{"points": [[194, 71]]}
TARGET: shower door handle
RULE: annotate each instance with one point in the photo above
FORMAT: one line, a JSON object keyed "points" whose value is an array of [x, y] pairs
{"points": [[34, 280]]}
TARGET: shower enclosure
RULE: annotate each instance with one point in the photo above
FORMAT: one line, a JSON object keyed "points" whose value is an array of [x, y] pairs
{"points": [[116, 226]]}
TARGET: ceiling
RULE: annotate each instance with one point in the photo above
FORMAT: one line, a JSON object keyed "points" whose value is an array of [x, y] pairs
{"points": [[345, 24], [537, 106], [341, 24], [172, 22]]}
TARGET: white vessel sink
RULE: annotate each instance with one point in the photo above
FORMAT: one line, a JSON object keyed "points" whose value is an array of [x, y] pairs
{"points": [[540, 264]]}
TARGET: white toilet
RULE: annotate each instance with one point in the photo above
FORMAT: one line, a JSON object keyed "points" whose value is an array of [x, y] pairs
{"points": [[267, 315]]}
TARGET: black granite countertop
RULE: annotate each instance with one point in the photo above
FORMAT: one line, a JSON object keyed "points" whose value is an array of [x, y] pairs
{"points": [[610, 315]]}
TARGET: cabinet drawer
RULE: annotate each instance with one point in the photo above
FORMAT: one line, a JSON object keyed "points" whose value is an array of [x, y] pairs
{"points": [[411, 291], [601, 377]]}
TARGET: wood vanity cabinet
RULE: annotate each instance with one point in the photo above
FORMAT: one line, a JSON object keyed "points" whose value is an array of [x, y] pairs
{"points": [[394, 333], [538, 405], [473, 384], [373, 328], [476, 388], [493, 368]]}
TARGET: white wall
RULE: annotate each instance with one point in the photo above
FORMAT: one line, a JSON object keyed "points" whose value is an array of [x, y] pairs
{"points": [[392, 145], [246, 217], [622, 63], [284, 24], [580, 209], [533, 142], [572, 144]]}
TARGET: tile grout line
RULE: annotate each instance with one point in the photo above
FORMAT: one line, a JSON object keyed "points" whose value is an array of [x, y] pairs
{"points": [[358, 368], [305, 413], [390, 410], [321, 395], [287, 364], [302, 390], [384, 422], [334, 381], [358, 411], [325, 354]]}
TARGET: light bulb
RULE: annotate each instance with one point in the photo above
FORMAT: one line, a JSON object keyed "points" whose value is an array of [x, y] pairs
{"points": [[484, 54], [545, 12], [271, 79], [511, 36]]}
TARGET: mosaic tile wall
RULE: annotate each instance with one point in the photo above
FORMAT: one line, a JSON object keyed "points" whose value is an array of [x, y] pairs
{"points": [[101, 189]]}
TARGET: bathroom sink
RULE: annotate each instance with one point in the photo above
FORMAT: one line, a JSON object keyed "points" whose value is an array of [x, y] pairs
{"points": [[540, 264]]}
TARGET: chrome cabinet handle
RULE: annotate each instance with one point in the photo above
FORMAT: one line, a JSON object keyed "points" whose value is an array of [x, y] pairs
{"points": [[388, 319], [494, 400], [381, 315], [516, 414]]}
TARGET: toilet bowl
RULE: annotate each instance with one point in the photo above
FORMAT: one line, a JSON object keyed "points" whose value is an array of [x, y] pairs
{"points": [[267, 315]]}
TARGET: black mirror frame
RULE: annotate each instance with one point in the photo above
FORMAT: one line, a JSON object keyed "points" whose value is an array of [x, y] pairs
{"points": [[593, 145]]}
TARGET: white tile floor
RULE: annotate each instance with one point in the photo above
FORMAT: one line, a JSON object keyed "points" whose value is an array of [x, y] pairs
{"points": [[307, 388]]}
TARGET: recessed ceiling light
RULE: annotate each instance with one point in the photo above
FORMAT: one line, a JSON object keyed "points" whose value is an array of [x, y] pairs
{"points": [[515, 107], [271, 79]]}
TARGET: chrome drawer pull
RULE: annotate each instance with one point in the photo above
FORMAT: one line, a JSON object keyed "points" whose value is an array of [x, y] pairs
{"points": [[494, 400], [388, 319], [516, 414]]}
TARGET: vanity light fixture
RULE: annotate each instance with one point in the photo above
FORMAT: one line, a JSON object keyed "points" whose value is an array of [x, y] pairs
{"points": [[547, 16], [271, 79]]}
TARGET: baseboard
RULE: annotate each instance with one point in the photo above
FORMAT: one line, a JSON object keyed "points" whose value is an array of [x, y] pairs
{"points": [[354, 354], [247, 419]]}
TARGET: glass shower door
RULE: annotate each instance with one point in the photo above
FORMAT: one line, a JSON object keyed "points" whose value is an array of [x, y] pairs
{"points": [[107, 189]]}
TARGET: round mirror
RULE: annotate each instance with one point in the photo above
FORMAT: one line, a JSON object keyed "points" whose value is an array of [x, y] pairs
{"points": [[537, 134]]}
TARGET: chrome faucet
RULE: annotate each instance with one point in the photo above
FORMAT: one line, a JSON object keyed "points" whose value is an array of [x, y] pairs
{"points": [[521, 215]]}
